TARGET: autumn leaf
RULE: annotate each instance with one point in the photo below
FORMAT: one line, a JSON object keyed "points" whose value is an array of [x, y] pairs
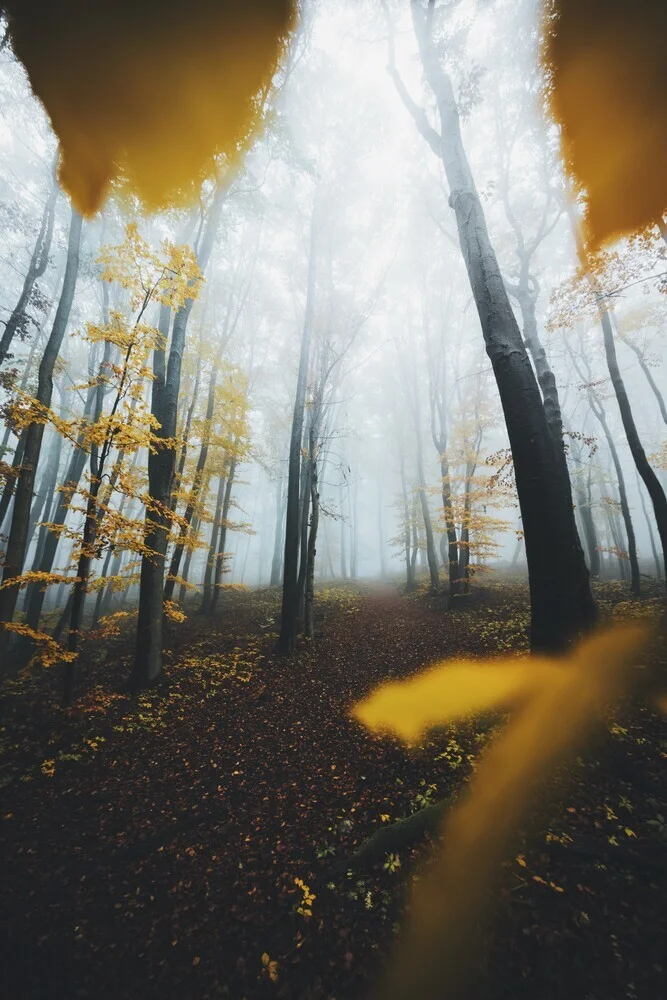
{"points": [[560, 698], [607, 80], [147, 91]]}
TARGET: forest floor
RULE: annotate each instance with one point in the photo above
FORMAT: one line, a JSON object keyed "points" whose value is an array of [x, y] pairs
{"points": [[189, 844]]}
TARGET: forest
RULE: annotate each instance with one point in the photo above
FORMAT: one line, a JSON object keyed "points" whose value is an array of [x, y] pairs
{"points": [[333, 499]]}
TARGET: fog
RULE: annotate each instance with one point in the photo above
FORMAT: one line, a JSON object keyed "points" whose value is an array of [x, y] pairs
{"points": [[338, 223]]}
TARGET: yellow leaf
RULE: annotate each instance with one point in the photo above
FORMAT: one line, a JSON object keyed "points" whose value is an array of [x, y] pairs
{"points": [[147, 89], [608, 79], [560, 698]]}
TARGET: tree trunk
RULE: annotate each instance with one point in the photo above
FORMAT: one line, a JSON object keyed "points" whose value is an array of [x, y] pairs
{"points": [[36, 268], [409, 564], [161, 464], [48, 544], [182, 593], [276, 562], [46, 489], [312, 540], [80, 589], [586, 515], [649, 526], [304, 512], [354, 530], [290, 601], [10, 481], [193, 499], [653, 487], [219, 562], [561, 599], [343, 537], [431, 555], [598, 410], [16, 544], [213, 548]]}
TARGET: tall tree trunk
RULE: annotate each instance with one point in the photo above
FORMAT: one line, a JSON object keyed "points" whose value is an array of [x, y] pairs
{"points": [[651, 481], [213, 548], [409, 563], [304, 513], [276, 562], [161, 464], [561, 601], [312, 541], [183, 589], [80, 588], [219, 562], [46, 488], [649, 377], [16, 544], [649, 527], [193, 499], [36, 268], [48, 544], [381, 538], [599, 412], [431, 555], [354, 529], [290, 601], [12, 477], [583, 494], [343, 537]]}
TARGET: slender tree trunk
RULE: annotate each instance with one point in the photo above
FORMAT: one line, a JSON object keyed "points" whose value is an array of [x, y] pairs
{"points": [[80, 589], [451, 553], [16, 544], [10, 481], [381, 538], [213, 548], [219, 562], [651, 481], [343, 537], [182, 592], [51, 538], [276, 562], [312, 541], [36, 268], [599, 413], [304, 513], [649, 526], [354, 530], [409, 564], [431, 555], [649, 377], [161, 463], [290, 601], [193, 499], [46, 489], [583, 494]]}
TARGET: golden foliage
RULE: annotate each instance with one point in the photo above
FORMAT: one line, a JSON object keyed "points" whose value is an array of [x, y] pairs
{"points": [[149, 91], [607, 84], [559, 699]]}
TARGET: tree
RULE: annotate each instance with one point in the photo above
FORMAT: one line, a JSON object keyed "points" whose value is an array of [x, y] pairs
{"points": [[18, 534], [18, 320], [561, 600], [290, 598]]}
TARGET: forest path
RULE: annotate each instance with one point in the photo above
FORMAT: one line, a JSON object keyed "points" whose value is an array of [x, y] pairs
{"points": [[153, 847]]}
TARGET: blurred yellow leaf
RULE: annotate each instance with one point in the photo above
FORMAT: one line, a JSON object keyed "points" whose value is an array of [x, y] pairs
{"points": [[150, 90], [560, 699], [607, 85]]}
